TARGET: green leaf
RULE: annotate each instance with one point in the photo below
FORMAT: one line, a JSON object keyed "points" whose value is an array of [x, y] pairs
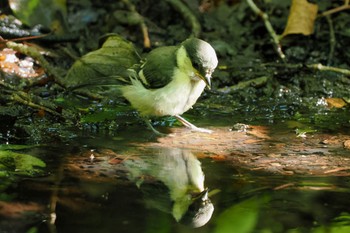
{"points": [[105, 66]]}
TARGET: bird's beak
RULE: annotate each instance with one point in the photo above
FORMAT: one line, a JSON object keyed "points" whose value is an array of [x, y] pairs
{"points": [[202, 196], [206, 77]]}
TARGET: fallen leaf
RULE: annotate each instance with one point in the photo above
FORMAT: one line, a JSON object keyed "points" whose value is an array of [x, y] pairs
{"points": [[335, 102], [301, 18]]}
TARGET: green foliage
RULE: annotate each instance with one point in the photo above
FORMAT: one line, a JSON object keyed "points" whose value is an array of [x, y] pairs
{"points": [[49, 13], [20, 164], [33, 230], [14, 147], [106, 114], [340, 225], [240, 218], [105, 66], [14, 164], [13, 110]]}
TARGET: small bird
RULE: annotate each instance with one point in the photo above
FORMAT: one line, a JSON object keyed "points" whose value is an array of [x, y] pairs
{"points": [[167, 82], [172, 181], [171, 79]]}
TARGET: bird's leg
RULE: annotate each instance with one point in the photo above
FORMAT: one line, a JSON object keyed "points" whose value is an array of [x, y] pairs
{"points": [[192, 126], [149, 125]]}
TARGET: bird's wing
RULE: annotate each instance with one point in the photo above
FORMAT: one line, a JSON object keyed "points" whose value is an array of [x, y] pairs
{"points": [[157, 71]]}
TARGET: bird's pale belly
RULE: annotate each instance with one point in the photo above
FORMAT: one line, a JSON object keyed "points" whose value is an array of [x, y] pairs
{"points": [[174, 99]]}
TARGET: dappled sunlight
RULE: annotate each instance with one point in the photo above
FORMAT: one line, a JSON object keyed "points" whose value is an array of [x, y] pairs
{"points": [[279, 151]]}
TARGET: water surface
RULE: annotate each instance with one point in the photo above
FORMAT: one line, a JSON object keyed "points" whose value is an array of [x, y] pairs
{"points": [[263, 180]]}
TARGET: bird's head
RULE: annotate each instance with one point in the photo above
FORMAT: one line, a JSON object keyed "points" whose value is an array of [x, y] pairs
{"points": [[199, 212], [203, 58]]}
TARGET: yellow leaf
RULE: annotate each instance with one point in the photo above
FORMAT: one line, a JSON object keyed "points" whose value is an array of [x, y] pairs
{"points": [[301, 18], [335, 102]]}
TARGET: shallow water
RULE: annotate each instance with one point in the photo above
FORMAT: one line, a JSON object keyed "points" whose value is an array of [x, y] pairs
{"points": [[129, 183]]}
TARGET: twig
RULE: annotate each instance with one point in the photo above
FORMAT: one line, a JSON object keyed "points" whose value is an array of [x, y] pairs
{"points": [[318, 66], [284, 186], [32, 37], [346, 6], [23, 98], [329, 68], [131, 7], [7, 86], [332, 40], [269, 28], [283, 65], [257, 82], [337, 170], [188, 15]]}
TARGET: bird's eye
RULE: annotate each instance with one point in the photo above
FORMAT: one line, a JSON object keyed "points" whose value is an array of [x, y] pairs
{"points": [[195, 65]]}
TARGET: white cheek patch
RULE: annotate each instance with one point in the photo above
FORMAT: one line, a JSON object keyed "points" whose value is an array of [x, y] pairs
{"points": [[142, 78]]}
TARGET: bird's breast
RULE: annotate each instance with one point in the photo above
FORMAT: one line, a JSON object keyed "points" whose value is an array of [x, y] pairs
{"points": [[175, 98]]}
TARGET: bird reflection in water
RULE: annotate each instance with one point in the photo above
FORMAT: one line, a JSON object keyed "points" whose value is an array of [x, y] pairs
{"points": [[172, 181]]}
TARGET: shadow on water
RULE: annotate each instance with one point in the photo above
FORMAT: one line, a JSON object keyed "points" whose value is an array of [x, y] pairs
{"points": [[112, 185]]}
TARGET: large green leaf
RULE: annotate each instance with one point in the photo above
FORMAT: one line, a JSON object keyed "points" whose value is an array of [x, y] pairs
{"points": [[103, 66]]}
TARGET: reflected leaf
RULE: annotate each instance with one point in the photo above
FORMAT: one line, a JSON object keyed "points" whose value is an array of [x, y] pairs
{"points": [[15, 147], [337, 229], [241, 217], [21, 164]]}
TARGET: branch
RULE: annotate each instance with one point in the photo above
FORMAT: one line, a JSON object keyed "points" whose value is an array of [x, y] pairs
{"points": [[332, 39], [23, 98], [318, 66], [131, 7], [321, 67], [257, 82], [188, 15], [346, 6], [269, 28]]}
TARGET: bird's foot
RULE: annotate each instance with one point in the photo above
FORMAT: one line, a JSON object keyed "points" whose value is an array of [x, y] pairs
{"points": [[156, 132], [202, 130], [192, 126]]}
